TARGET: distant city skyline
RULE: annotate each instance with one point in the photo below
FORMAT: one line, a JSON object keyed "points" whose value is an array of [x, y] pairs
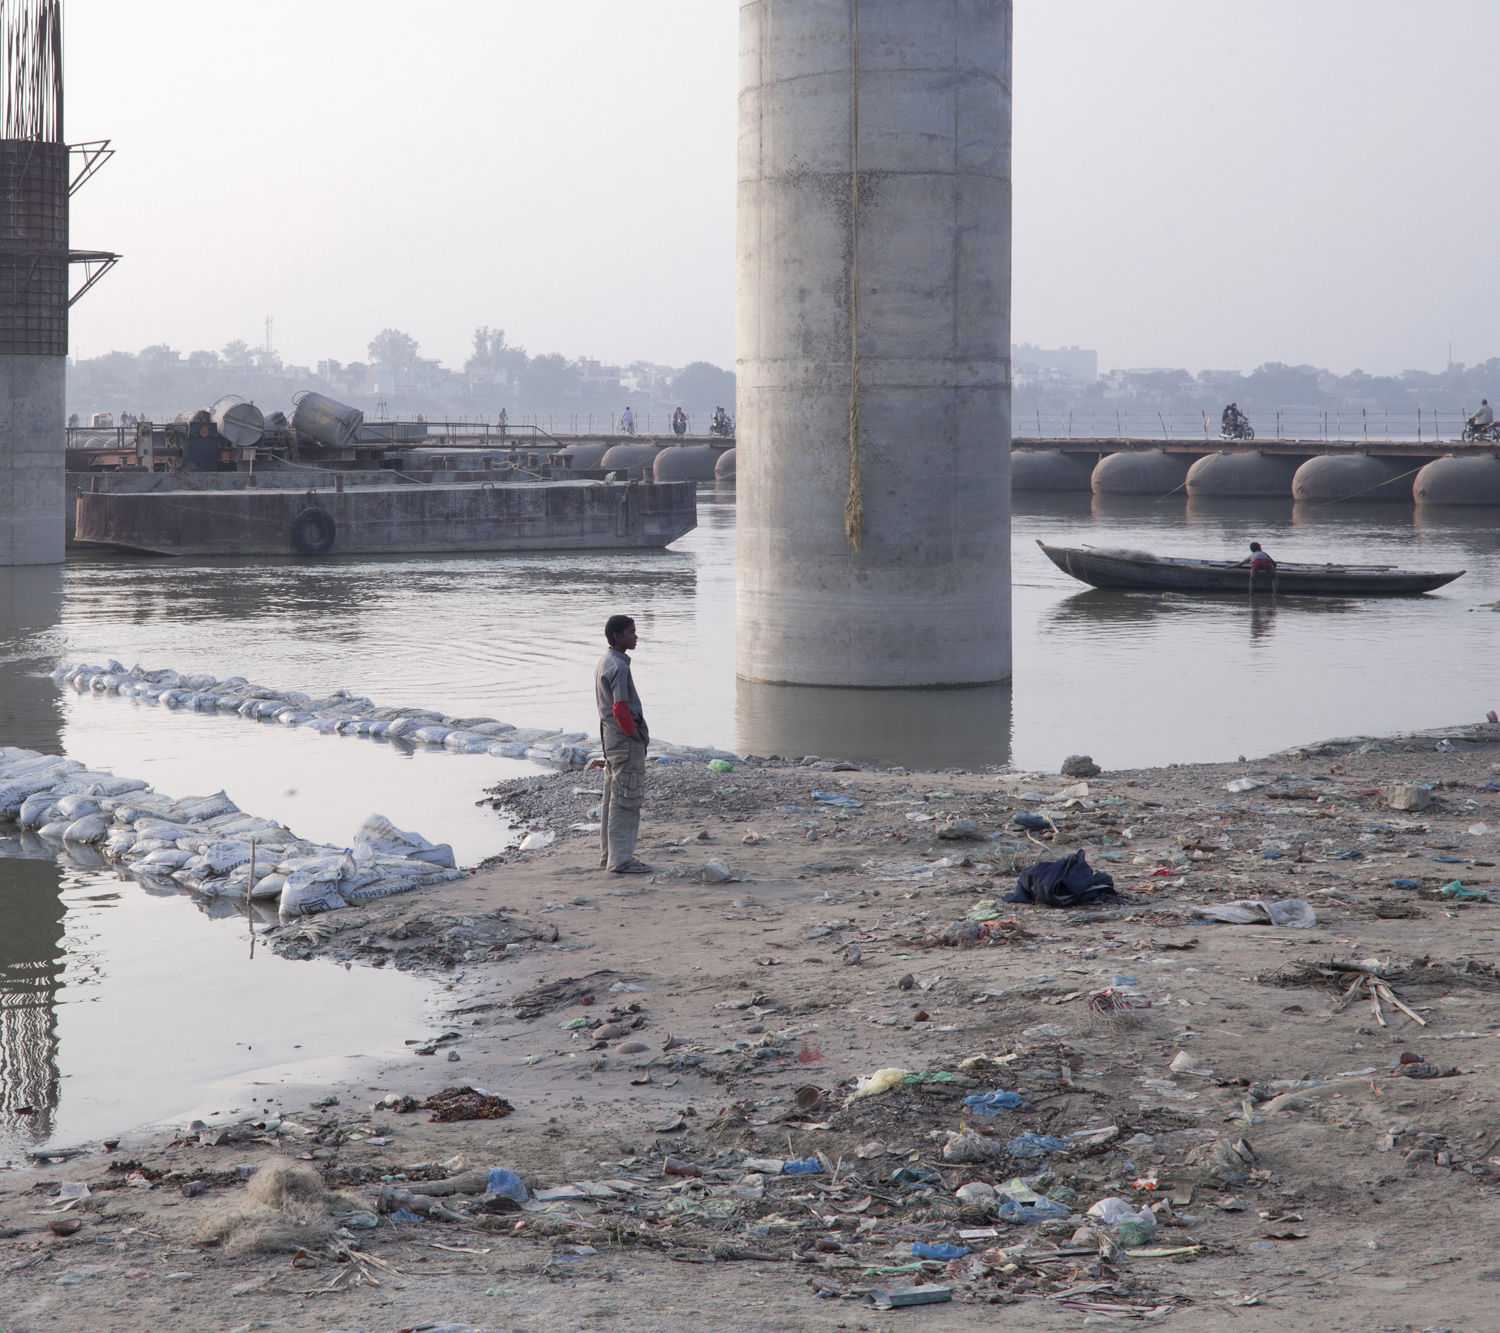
{"points": [[1197, 186]]}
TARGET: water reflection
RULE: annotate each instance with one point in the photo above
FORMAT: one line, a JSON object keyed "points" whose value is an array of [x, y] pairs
{"points": [[31, 966], [31, 599], [1237, 521], [31, 913], [1262, 619], [966, 728]]}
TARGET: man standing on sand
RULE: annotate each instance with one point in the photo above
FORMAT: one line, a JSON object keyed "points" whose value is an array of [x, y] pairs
{"points": [[624, 737]]}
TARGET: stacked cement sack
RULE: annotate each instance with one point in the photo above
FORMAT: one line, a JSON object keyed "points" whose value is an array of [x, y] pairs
{"points": [[204, 843], [348, 714]]}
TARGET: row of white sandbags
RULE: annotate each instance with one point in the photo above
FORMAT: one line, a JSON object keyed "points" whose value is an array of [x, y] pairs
{"points": [[348, 714], [207, 843]]}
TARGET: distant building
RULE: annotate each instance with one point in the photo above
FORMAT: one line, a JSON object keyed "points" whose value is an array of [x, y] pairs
{"points": [[1053, 366], [1135, 382], [593, 372], [1227, 381]]}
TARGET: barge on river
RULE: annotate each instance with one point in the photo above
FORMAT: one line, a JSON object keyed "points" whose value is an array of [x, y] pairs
{"points": [[403, 518], [1138, 571]]}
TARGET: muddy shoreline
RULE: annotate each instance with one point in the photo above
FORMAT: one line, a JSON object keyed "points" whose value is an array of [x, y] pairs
{"points": [[788, 944]]}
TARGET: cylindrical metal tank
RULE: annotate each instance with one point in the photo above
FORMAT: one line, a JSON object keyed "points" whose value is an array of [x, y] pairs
{"points": [[724, 468], [1049, 470], [637, 459], [873, 342], [1333, 477], [1241, 476], [326, 420], [238, 421], [687, 462], [584, 455], [1150, 472], [1458, 481]]}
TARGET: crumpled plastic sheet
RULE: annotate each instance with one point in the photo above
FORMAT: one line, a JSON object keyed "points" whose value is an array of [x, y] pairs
{"points": [[1291, 912], [992, 1103], [1035, 1145]]}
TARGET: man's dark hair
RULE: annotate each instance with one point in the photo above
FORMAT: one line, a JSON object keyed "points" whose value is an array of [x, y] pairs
{"points": [[1255, 546], [616, 625]]}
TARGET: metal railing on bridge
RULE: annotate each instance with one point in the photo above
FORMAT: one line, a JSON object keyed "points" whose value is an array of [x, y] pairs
{"points": [[1351, 425]]}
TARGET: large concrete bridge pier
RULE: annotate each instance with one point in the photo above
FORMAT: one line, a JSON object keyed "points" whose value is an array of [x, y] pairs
{"points": [[873, 334]]}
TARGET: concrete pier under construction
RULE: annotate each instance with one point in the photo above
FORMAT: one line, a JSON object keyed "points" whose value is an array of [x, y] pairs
{"points": [[873, 342]]}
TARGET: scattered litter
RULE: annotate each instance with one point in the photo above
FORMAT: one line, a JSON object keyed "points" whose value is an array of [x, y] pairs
{"points": [[904, 1296], [1070, 882], [1182, 1063], [465, 1103], [992, 1103], [882, 1080], [1457, 891], [1030, 823], [839, 799], [947, 1253], [1036, 1145], [285, 1208], [1291, 912]]}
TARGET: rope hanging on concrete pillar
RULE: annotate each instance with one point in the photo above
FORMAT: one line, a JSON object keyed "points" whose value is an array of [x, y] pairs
{"points": [[854, 506]]}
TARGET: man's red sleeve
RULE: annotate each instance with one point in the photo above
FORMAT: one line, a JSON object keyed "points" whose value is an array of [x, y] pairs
{"points": [[622, 716]]}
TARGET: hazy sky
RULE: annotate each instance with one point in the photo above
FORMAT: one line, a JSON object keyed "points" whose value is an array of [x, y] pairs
{"points": [[1199, 185]]}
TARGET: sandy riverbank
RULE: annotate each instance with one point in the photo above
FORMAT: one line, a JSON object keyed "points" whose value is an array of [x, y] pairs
{"points": [[1366, 1199]]}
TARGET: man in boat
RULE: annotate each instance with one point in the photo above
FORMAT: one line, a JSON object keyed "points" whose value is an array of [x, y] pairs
{"points": [[624, 737], [1258, 561]]}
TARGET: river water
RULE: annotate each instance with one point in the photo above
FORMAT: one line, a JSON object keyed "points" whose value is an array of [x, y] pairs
{"points": [[1130, 679]]}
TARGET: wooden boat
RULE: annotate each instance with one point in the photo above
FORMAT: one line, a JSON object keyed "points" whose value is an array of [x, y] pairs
{"points": [[1139, 571]]}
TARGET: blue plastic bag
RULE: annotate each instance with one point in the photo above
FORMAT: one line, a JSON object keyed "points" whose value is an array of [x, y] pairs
{"points": [[507, 1184], [915, 1176], [838, 798], [992, 1103], [946, 1252], [1043, 1210], [808, 1166], [1034, 1145]]}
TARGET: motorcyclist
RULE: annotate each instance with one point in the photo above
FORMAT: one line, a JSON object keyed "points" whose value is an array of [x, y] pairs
{"points": [[679, 422], [720, 422], [1485, 416]]}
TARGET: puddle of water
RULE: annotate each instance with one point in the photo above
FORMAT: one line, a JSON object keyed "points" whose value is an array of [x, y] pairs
{"points": [[121, 1008], [321, 787]]}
